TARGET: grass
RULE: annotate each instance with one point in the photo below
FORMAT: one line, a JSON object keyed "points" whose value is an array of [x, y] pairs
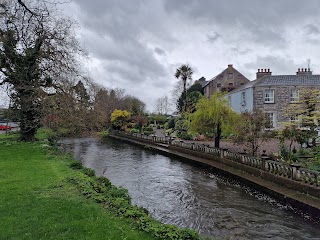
{"points": [[38, 202], [45, 194]]}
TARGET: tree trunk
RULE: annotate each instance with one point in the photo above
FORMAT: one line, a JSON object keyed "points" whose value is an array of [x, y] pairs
{"points": [[218, 136], [185, 94]]}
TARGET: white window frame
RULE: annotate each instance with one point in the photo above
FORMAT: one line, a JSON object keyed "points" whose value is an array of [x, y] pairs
{"points": [[295, 120], [294, 95], [269, 96], [272, 119], [243, 98]]}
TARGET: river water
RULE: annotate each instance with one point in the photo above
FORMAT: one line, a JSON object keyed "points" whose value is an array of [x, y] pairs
{"points": [[186, 195]]}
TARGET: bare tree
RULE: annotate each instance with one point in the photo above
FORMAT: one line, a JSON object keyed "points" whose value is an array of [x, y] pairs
{"points": [[162, 105]]}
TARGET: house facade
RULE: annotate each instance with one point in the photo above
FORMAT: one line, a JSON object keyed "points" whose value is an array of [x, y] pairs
{"points": [[273, 94], [228, 80]]}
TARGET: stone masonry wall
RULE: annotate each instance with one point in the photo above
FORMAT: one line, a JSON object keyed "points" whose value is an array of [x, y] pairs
{"points": [[281, 100]]}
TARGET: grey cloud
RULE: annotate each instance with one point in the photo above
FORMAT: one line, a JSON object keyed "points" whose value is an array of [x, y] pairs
{"points": [[244, 12], [311, 29], [213, 36], [116, 31], [265, 20], [159, 51], [276, 64], [140, 43], [240, 51]]}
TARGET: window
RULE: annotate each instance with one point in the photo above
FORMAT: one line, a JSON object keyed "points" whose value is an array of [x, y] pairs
{"points": [[294, 119], [294, 95], [270, 122], [230, 76], [230, 84], [218, 84], [269, 96], [243, 98]]}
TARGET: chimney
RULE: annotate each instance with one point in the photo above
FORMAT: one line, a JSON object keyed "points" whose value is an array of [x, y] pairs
{"points": [[263, 72], [304, 71], [230, 67]]}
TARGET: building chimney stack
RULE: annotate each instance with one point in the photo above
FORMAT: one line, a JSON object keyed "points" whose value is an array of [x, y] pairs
{"points": [[263, 72], [304, 71]]}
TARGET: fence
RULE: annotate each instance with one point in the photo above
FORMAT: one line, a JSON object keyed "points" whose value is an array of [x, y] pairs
{"points": [[292, 172]]}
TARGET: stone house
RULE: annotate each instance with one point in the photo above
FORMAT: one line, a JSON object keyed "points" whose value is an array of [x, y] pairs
{"points": [[273, 93], [228, 80]]}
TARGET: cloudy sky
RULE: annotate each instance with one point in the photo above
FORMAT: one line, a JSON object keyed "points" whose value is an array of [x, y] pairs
{"points": [[137, 44]]}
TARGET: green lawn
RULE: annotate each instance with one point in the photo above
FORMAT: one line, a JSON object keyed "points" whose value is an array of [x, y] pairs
{"points": [[38, 202]]}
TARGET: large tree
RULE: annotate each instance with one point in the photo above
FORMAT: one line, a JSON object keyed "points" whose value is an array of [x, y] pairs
{"points": [[37, 46], [250, 130], [305, 112], [184, 72], [212, 116]]}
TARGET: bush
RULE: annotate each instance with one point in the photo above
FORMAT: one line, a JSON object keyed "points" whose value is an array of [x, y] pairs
{"points": [[76, 165], [148, 132], [185, 136], [89, 172], [148, 129], [134, 130], [118, 201]]}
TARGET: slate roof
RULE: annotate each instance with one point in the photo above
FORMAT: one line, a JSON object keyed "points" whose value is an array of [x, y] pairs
{"points": [[289, 80], [247, 85], [202, 83]]}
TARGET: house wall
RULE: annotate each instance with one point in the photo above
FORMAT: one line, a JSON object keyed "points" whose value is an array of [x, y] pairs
{"points": [[227, 80], [236, 103], [281, 101]]}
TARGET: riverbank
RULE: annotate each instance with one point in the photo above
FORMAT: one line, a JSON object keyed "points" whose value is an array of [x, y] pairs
{"points": [[47, 195], [302, 202]]}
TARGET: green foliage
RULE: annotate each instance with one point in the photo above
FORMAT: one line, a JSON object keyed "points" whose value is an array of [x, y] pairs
{"points": [[159, 119], [184, 72], [250, 130], [148, 129], [119, 119], [306, 113], [181, 128], [170, 123], [76, 165], [134, 130], [49, 206], [213, 116], [148, 132], [189, 102], [118, 201]]}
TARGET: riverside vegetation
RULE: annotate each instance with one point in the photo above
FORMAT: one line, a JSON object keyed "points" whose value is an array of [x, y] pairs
{"points": [[47, 194]]}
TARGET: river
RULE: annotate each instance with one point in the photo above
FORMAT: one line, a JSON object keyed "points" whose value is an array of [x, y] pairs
{"points": [[186, 195]]}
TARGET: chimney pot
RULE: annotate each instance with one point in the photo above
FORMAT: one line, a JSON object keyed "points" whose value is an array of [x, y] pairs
{"points": [[268, 69], [305, 70], [259, 70], [298, 69]]}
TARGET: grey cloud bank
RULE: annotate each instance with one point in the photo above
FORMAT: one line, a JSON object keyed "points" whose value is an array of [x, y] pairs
{"points": [[137, 44]]}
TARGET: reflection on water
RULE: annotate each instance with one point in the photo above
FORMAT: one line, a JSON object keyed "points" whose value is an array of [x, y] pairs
{"points": [[190, 196]]}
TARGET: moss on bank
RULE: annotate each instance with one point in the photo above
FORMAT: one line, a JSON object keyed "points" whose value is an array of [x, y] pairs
{"points": [[45, 194]]}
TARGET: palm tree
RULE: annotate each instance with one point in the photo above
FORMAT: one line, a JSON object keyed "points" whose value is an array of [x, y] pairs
{"points": [[184, 73]]}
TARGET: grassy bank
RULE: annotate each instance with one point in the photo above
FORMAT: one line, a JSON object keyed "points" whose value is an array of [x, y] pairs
{"points": [[45, 194]]}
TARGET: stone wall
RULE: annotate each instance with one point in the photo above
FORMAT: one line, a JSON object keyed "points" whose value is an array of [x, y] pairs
{"points": [[281, 101]]}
